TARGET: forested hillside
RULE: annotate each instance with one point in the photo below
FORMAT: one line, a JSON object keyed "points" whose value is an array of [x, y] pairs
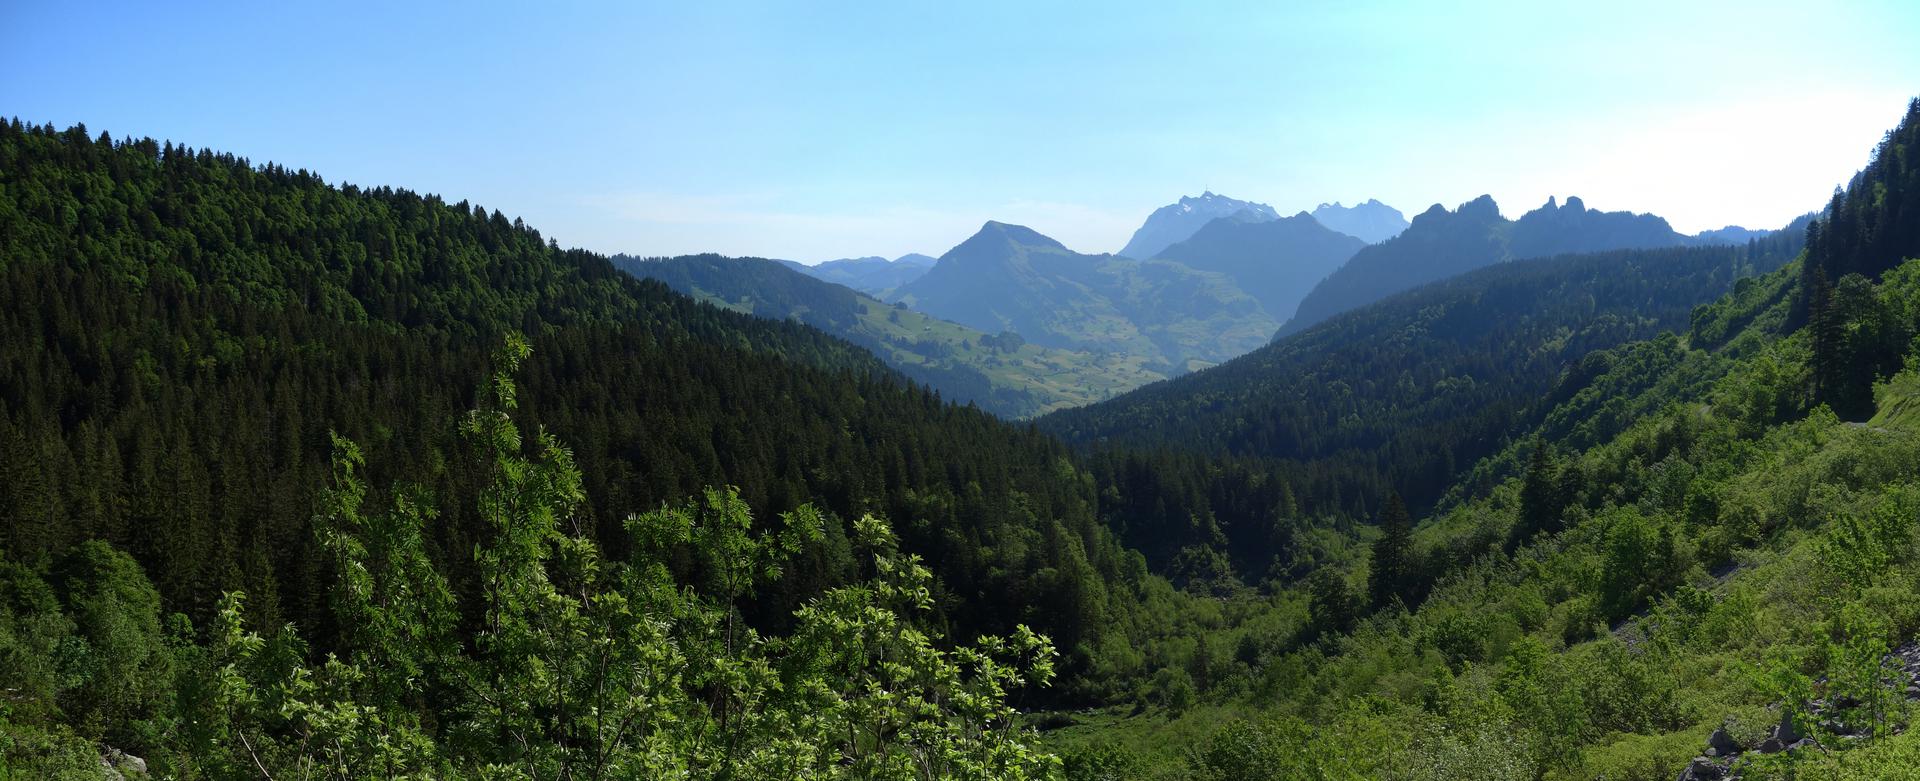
{"points": [[184, 330], [185, 334], [1690, 566], [1409, 392], [1000, 372]]}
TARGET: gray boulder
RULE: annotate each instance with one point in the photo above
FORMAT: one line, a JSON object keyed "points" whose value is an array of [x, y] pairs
{"points": [[1787, 731], [1783, 737], [116, 764], [1720, 744], [1703, 769]]}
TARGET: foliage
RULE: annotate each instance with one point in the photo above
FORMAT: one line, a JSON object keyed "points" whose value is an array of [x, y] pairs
{"points": [[1727, 551], [583, 667]]}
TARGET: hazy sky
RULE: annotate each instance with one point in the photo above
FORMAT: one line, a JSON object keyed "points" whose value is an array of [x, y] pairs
{"points": [[818, 130]]}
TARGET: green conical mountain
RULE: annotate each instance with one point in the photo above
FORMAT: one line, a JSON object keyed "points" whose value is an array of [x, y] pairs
{"points": [[1011, 278]]}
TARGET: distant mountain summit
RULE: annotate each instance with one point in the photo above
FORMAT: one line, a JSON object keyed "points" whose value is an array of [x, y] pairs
{"points": [[1176, 222], [873, 275], [1275, 261], [1732, 234], [994, 235], [1372, 222], [1554, 229], [1012, 278]]}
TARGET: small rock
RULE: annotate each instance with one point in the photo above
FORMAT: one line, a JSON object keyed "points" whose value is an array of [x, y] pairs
{"points": [[1703, 769], [1803, 743], [1723, 745], [1771, 746], [1787, 732], [119, 764]]}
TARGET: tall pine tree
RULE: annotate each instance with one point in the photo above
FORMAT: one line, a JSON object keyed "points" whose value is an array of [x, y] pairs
{"points": [[1392, 574], [1541, 502]]}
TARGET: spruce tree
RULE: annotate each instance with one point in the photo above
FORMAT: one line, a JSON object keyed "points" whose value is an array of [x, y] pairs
{"points": [[1392, 571], [1540, 502], [1828, 334]]}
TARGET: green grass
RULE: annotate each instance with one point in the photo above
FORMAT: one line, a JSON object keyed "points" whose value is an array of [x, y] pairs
{"points": [[1054, 378], [1047, 378], [1156, 742], [1734, 549], [1898, 400]]}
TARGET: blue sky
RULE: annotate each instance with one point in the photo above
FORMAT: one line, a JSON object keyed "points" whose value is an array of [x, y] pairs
{"points": [[820, 130]]}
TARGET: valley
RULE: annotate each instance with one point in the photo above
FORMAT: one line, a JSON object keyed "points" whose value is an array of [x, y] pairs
{"points": [[782, 413]]}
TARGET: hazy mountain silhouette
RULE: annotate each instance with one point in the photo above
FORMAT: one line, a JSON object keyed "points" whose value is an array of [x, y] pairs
{"points": [[1275, 261], [872, 275], [1372, 222], [1440, 244], [1177, 221], [1554, 229], [1732, 234]]}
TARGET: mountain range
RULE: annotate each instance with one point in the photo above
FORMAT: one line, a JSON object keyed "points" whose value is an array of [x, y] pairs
{"points": [[873, 275], [1441, 243], [1232, 269]]}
